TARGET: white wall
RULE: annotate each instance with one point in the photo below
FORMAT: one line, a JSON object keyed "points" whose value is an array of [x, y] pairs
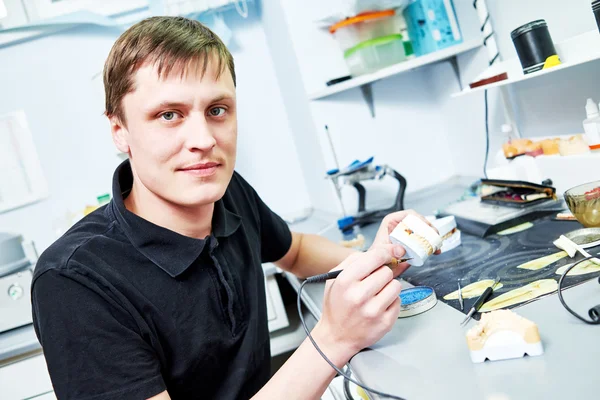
{"points": [[565, 19], [51, 79], [416, 118], [267, 155], [546, 106], [287, 67], [552, 105], [408, 128], [405, 134]]}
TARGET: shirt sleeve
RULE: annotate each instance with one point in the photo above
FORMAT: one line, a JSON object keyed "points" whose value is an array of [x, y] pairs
{"points": [[275, 234], [92, 348]]}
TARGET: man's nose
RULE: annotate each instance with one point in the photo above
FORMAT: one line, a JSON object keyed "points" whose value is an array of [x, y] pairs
{"points": [[198, 134]]}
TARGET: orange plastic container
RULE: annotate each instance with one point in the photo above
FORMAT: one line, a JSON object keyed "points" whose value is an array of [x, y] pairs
{"points": [[365, 26]]}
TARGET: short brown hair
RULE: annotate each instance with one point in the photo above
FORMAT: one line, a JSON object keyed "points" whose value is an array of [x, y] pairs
{"points": [[170, 43]]}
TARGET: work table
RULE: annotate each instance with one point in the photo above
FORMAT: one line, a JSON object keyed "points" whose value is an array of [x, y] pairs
{"points": [[426, 356]]}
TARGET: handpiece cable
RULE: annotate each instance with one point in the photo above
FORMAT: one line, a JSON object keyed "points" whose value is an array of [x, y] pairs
{"points": [[323, 278]]}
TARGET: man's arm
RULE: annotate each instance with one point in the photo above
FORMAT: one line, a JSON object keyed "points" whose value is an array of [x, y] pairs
{"points": [[305, 375], [312, 254], [359, 307], [161, 396]]}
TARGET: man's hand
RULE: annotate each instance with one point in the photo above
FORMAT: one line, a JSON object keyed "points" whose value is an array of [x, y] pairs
{"points": [[360, 306], [390, 222]]}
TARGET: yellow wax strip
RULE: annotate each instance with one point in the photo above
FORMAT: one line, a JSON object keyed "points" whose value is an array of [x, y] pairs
{"points": [[586, 267], [473, 290], [363, 395], [543, 262], [522, 294], [516, 229]]}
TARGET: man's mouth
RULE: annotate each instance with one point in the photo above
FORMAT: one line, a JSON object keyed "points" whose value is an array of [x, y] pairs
{"points": [[201, 169]]}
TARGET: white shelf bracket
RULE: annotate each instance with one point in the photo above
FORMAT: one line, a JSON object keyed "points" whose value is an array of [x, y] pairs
{"points": [[455, 67], [367, 93]]}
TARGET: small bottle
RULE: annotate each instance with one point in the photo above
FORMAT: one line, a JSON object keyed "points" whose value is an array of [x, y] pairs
{"points": [[507, 132], [508, 149], [591, 125]]}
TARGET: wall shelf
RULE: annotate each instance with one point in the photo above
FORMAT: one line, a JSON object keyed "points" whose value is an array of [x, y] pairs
{"points": [[396, 69], [575, 51]]}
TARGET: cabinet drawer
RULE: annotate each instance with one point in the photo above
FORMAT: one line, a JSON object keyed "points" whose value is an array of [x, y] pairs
{"points": [[25, 379], [275, 309]]}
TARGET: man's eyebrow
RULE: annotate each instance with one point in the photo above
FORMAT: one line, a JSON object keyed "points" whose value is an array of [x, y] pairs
{"points": [[222, 97], [183, 104], [167, 104]]}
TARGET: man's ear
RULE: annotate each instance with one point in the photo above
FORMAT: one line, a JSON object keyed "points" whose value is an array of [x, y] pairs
{"points": [[119, 134]]}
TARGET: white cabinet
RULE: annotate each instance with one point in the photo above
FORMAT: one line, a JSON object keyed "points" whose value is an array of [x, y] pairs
{"points": [[275, 309], [26, 379]]}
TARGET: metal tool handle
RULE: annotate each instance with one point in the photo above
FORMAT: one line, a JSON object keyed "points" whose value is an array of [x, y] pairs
{"points": [[460, 298], [483, 298], [334, 274]]}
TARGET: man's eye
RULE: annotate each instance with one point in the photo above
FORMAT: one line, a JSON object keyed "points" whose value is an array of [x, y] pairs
{"points": [[168, 116], [217, 111]]}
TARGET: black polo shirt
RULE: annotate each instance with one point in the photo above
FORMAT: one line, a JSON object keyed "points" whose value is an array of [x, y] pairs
{"points": [[125, 309]]}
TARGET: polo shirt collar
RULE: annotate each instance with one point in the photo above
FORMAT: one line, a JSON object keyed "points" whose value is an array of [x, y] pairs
{"points": [[169, 250]]}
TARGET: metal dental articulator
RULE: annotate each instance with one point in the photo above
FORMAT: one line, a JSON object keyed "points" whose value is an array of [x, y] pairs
{"points": [[353, 175]]}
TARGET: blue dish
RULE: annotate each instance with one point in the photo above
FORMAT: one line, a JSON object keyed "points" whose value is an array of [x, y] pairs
{"points": [[414, 295]]}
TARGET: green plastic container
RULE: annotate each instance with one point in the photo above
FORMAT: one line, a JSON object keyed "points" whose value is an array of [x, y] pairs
{"points": [[372, 55]]}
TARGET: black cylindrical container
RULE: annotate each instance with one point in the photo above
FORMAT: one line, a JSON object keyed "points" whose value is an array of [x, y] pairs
{"points": [[596, 10], [534, 45]]}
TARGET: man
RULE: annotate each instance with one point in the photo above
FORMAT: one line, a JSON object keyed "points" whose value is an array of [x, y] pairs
{"points": [[160, 294]]}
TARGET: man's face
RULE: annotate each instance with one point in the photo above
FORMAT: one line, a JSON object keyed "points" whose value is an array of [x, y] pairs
{"points": [[181, 133]]}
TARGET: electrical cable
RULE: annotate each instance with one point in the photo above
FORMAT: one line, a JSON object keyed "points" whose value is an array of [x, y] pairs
{"points": [[339, 371], [486, 28], [493, 53], [347, 393], [487, 134], [593, 312]]}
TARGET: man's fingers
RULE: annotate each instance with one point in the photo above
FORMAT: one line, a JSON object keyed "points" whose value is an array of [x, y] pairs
{"points": [[375, 282], [395, 218], [399, 252], [347, 261], [391, 314], [366, 263], [392, 220], [388, 295], [396, 250], [400, 268]]}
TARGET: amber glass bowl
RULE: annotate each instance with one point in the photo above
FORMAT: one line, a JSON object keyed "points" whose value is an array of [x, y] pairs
{"points": [[584, 203]]}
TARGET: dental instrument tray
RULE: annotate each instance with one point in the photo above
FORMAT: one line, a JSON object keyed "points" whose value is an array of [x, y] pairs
{"points": [[518, 194]]}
